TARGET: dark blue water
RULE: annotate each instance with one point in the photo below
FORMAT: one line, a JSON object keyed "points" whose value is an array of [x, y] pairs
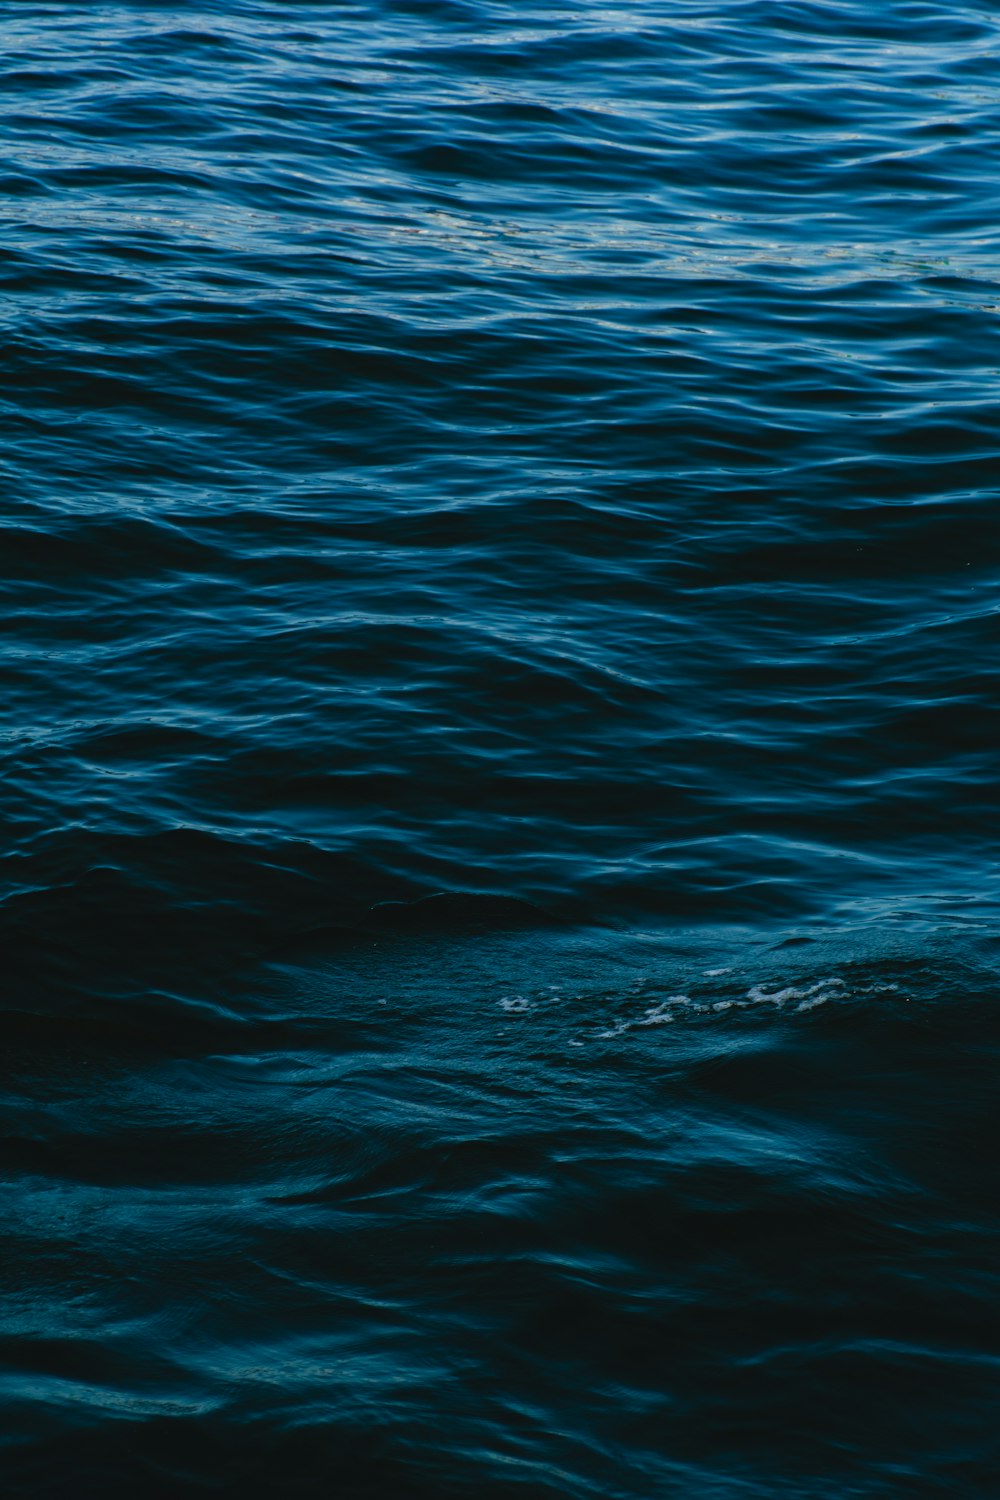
{"points": [[499, 892]]}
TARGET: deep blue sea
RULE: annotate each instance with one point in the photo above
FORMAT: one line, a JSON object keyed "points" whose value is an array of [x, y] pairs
{"points": [[500, 732]]}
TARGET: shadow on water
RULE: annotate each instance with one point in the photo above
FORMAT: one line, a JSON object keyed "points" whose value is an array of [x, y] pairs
{"points": [[615, 1212]]}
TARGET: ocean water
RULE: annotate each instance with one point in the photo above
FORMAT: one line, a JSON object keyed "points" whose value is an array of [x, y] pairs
{"points": [[499, 727]]}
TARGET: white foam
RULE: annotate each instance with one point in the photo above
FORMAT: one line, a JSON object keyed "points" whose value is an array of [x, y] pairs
{"points": [[656, 1015], [825, 989], [800, 997]]}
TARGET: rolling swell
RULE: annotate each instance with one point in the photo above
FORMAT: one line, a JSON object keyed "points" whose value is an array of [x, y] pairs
{"points": [[497, 620]]}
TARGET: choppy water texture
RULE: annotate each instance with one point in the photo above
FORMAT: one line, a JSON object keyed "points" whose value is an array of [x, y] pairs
{"points": [[499, 729]]}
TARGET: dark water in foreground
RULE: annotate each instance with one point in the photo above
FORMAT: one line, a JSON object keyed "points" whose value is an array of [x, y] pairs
{"points": [[499, 717]]}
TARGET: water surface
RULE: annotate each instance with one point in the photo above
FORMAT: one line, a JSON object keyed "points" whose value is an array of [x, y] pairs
{"points": [[499, 614]]}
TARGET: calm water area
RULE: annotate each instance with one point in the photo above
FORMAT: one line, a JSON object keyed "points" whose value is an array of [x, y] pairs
{"points": [[499, 718]]}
